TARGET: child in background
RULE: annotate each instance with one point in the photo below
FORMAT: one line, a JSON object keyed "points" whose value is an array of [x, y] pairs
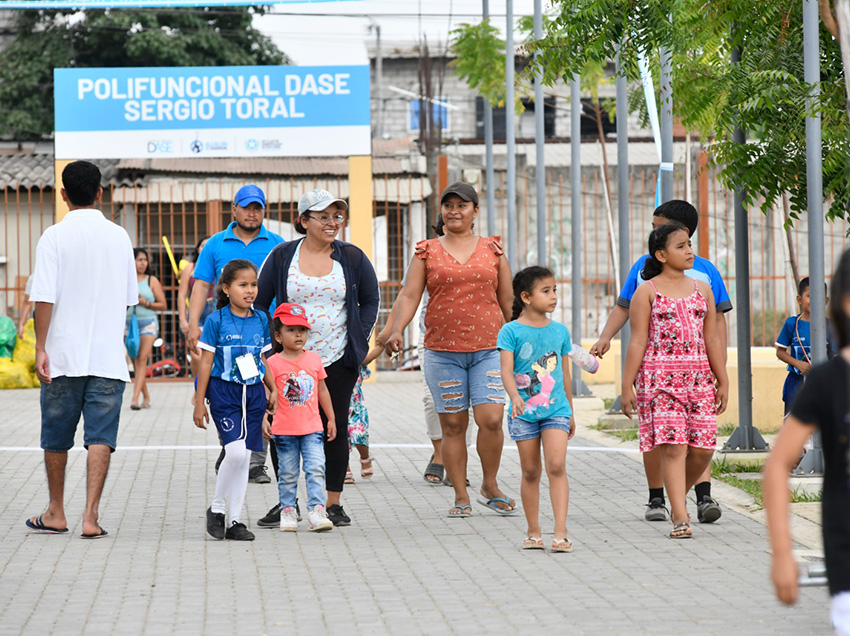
{"points": [[823, 403], [297, 426], [536, 373], [794, 345], [231, 376], [358, 420], [673, 350]]}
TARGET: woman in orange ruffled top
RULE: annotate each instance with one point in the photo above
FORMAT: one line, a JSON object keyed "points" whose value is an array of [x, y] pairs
{"points": [[470, 297]]}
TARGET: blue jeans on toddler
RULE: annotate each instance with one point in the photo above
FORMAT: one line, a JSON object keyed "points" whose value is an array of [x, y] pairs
{"points": [[310, 449]]}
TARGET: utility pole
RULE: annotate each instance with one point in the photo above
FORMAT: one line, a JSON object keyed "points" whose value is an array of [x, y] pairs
{"points": [[488, 145], [540, 140], [510, 136]]}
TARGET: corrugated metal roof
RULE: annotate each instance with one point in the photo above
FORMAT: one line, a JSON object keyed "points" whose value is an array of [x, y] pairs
{"points": [[395, 189], [26, 171], [37, 171], [288, 166]]}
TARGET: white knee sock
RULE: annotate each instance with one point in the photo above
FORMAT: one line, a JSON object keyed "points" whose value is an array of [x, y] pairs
{"points": [[232, 480]]}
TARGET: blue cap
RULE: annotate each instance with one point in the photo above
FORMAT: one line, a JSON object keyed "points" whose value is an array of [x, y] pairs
{"points": [[249, 194]]}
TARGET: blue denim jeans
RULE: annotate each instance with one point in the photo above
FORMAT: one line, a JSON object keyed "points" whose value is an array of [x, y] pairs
{"points": [[458, 380], [66, 399], [311, 450]]}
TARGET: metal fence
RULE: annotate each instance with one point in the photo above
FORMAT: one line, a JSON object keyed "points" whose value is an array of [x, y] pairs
{"points": [[152, 211]]}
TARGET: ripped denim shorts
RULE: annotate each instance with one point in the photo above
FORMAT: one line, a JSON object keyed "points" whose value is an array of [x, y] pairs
{"points": [[459, 380]]}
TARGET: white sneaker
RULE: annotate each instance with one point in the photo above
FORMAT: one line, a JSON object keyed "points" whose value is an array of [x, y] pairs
{"points": [[318, 519], [288, 520]]}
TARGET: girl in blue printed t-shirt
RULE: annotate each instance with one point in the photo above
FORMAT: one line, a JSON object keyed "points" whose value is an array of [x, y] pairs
{"points": [[536, 375], [231, 377]]}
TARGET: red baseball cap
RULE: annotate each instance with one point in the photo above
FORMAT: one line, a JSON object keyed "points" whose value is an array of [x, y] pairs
{"points": [[292, 315]]}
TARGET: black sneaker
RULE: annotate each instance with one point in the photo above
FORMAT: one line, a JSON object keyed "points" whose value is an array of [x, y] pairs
{"points": [[708, 510], [337, 515], [215, 524], [258, 475], [656, 510], [272, 518], [219, 460], [238, 532]]}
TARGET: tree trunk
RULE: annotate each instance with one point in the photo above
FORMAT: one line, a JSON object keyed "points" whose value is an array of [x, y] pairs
{"points": [[612, 248], [792, 254]]}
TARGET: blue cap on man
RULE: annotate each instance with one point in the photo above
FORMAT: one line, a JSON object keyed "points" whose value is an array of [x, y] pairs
{"points": [[248, 194]]}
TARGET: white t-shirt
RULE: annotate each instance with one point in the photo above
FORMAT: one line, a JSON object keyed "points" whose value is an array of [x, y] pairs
{"points": [[84, 266], [323, 299]]}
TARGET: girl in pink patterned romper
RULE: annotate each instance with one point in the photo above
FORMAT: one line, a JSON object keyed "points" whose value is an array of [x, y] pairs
{"points": [[675, 363]]}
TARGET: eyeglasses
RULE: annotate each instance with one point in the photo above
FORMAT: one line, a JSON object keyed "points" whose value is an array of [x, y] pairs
{"points": [[324, 219]]}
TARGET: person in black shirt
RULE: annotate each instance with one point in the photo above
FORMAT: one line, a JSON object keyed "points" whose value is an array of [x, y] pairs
{"points": [[822, 403]]}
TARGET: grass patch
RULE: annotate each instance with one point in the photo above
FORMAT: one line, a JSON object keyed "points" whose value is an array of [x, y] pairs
{"points": [[724, 466], [625, 434], [803, 496], [750, 486], [608, 403]]}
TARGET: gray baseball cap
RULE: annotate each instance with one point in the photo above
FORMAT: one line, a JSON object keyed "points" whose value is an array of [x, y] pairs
{"points": [[461, 189], [318, 200]]}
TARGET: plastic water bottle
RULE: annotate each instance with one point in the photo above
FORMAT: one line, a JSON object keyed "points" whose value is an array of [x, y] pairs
{"points": [[583, 359]]}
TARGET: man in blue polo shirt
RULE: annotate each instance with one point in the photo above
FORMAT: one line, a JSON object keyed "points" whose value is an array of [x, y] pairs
{"points": [[708, 510], [244, 238]]}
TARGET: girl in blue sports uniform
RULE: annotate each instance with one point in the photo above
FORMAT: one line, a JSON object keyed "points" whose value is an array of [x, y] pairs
{"points": [[231, 376]]}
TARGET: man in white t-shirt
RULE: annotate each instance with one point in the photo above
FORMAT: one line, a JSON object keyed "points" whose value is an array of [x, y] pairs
{"points": [[85, 278]]}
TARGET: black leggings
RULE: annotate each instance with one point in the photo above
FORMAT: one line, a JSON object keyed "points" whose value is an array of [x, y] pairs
{"points": [[340, 383]]}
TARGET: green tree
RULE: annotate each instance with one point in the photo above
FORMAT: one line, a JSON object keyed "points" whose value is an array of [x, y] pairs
{"points": [[116, 38], [765, 93]]}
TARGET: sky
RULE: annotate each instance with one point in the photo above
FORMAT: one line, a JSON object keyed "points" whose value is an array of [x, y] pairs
{"points": [[329, 33]]}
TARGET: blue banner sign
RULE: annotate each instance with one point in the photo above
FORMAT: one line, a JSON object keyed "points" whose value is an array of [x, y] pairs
{"points": [[144, 4], [213, 111]]}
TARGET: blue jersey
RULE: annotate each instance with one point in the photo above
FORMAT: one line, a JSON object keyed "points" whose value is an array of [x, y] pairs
{"points": [[230, 337], [702, 270], [225, 246], [537, 367], [796, 337]]}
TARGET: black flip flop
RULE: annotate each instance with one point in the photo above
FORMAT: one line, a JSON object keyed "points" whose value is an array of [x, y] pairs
{"points": [[434, 469], [96, 535]]}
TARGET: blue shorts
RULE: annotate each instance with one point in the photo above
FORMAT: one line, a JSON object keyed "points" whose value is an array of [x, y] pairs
{"points": [[520, 430], [225, 400], [789, 390], [147, 327], [460, 380], [65, 399]]}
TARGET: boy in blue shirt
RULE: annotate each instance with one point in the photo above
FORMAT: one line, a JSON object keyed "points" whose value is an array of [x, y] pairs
{"points": [[794, 345], [708, 510]]}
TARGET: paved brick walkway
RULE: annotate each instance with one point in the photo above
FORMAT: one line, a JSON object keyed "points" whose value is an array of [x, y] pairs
{"points": [[401, 568]]}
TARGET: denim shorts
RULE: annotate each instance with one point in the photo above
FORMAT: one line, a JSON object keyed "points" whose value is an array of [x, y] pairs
{"points": [[147, 327], [520, 430], [460, 380], [65, 399]]}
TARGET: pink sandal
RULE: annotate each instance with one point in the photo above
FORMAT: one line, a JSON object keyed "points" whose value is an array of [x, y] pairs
{"points": [[366, 473]]}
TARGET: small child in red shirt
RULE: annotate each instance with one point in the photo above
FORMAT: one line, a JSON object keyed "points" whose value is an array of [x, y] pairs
{"points": [[297, 427]]}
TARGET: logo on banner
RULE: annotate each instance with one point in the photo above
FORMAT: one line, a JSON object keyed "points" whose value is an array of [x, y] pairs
{"points": [[196, 146], [251, 144], [160, 147]]}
